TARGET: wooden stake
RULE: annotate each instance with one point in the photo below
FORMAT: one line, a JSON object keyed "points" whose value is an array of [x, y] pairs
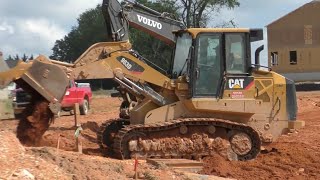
{"points": [[77, 124], [58, 145], [79, 144], [76, 113], [135, 167]]}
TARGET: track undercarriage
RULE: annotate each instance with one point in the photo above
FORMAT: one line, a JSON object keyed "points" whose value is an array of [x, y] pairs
{"points": [[190, 138]]}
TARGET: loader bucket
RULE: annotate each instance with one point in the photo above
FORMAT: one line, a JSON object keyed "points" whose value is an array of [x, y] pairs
{"points": [[40, 75], [46, 83]]}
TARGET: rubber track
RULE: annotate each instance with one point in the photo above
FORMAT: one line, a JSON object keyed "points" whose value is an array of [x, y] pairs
{"points": [[120, 147]]}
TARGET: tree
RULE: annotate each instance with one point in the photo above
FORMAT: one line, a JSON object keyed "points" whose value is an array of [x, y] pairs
{"points": [[31, 57], [9, 58], [148, 46], [90, 29], [17, 58], [196, 13], [24, 57]]}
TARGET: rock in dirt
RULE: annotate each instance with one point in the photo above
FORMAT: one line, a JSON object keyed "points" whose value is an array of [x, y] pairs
{"points": [[22, 174], [301, 170]]}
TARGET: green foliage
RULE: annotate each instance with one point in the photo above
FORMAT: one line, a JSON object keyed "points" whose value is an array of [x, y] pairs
{"points": [[90, 30], [148, 46], [196, 13], [17, 58], [152, 49], [24, 57], [9, 58]]}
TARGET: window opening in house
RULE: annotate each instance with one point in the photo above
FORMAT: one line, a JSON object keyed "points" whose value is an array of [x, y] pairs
{"points": [[274, 58], [293, 57]]}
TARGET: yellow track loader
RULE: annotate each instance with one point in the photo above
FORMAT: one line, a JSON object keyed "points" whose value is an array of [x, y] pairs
{"points": [[213, 100]]}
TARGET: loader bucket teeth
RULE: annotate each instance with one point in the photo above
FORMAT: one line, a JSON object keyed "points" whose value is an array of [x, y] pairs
{"points": [[41, 76], [13, 74], [47, 79]]}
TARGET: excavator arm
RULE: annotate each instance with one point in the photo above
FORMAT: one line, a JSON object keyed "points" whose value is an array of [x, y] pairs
{"points": [[118, 17]]}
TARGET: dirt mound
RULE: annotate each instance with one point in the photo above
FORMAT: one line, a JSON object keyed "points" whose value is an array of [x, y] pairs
{"points": [[219, 166], [16, 162], [34, 122]]}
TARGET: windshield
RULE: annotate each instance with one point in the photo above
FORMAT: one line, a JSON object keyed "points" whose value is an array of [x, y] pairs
{"points": [[183, 45]]}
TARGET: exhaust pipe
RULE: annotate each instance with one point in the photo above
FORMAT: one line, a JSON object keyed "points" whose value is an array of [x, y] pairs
{"points": [[257, 55]]}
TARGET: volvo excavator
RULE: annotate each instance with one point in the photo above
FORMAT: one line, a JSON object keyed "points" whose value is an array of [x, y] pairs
{"points": [[213, 99]]}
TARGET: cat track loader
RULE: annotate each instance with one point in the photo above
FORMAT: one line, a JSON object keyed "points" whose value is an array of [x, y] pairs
{"points": [[213, 99]]}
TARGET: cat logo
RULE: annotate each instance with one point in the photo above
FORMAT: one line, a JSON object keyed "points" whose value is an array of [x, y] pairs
{"points": [[236, 83]]}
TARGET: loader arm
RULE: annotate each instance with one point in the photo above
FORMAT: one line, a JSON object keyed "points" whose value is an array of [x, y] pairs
{"points": [[109, 60], [116, 60]]}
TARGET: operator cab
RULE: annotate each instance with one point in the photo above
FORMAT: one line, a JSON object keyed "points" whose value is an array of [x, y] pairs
{"points": [[213, 56]]}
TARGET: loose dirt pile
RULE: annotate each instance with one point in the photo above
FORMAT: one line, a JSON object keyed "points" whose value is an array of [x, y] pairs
{"points": [[17, 163], [35, 121]]}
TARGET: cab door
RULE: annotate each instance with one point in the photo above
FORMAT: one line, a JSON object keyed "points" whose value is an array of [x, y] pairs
{"points": [[207, 67]]}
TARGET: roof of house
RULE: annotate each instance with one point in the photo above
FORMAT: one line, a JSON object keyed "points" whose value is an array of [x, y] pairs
{"points": [[305, 5]]}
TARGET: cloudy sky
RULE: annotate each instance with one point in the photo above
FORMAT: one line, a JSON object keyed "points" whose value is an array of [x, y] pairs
{"points": [[33, 26]]}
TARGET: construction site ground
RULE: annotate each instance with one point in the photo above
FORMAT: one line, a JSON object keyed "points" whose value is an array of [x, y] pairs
{"points": [[294, 156]]}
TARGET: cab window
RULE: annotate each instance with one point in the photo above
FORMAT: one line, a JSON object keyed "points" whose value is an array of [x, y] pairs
{"points": [[208, 67], [235, 54]]}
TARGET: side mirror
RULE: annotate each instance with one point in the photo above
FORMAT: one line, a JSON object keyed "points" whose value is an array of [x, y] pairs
{"points": [[76, 84]]}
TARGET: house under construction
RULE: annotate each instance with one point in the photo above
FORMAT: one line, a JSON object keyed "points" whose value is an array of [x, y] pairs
{"points": [[294, 43]]}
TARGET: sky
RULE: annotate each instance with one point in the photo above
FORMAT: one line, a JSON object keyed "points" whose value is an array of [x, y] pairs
{"points": [[32, 27]]}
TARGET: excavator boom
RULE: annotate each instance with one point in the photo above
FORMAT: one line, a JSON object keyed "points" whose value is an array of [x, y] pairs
{"points": [[118, 18]]}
